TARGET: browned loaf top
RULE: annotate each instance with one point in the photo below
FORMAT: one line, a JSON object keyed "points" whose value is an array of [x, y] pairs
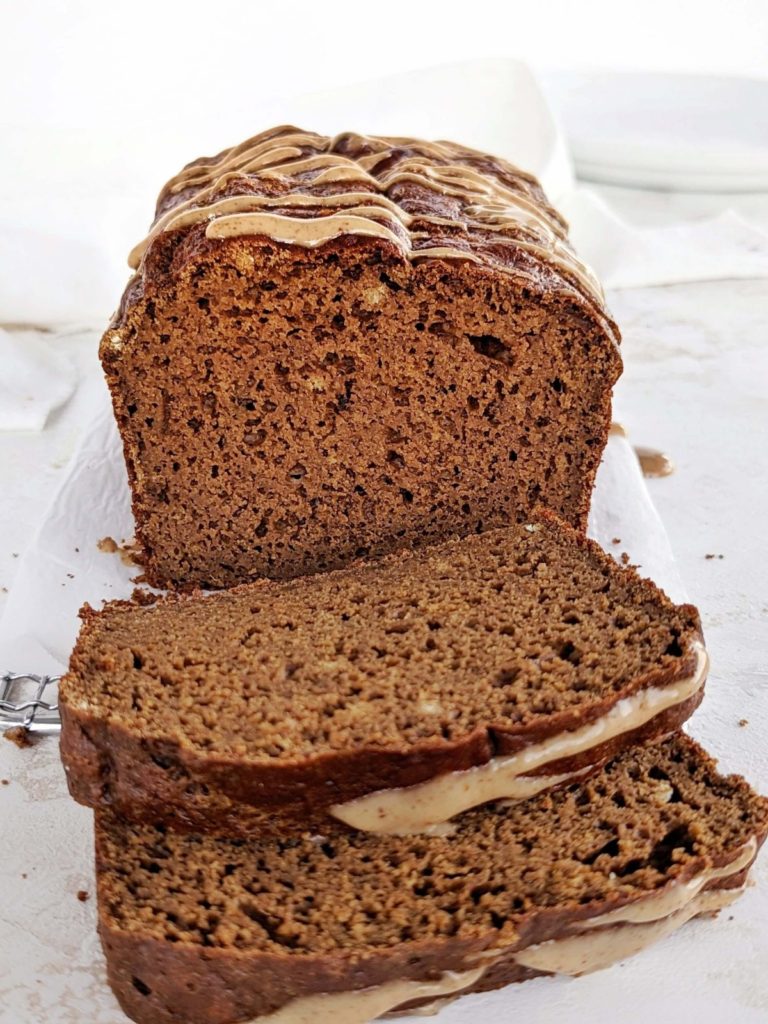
{"points": [[336, 347], [212, 931], [304, 703]]}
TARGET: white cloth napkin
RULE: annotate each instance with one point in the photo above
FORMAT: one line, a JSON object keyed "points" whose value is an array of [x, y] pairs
{"points": [[627, 256], [35, 379]]}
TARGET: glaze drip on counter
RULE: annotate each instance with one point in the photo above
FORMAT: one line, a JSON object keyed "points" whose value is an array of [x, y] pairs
{"points": [[431, 199]]}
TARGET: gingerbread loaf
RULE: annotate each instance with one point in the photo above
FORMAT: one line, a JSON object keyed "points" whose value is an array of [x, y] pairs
{"points": [[335, 347], [217, 931], [388, 697]]}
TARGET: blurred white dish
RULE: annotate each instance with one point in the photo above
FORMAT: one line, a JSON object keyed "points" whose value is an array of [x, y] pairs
{"points": [[685, 132]]}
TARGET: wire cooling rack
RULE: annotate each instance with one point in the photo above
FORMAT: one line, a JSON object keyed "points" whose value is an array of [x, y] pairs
{"points": [[29, 702]]}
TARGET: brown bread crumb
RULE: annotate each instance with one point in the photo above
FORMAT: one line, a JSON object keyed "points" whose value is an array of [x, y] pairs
{"points": [[23, 738]]}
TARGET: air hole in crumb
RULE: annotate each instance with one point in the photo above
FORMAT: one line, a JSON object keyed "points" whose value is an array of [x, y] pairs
{"points": [[569, 653], [610, 849], [491, 347], [138, 661], [662, 854], [505, 677], [674, 649], [392, 285], [406, 495], [141, 986]]}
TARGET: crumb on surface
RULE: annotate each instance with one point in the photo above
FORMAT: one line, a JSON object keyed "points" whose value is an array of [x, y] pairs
{"points": [[624, 558], [83, 895], [20, 736], [108, 545], [23, 874], [616, 540], [743, 722], [130, 553], [5, 782], [709, 557]]}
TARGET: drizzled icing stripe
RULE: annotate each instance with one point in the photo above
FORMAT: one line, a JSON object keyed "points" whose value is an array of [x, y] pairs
{"points": [[306, 189]]}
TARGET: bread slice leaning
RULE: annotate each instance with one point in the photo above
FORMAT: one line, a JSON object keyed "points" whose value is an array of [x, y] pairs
{"points": [[388, 697], [212, 931]]}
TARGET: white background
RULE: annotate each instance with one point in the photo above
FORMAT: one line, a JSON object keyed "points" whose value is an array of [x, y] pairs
{"points": [[99, 76]]}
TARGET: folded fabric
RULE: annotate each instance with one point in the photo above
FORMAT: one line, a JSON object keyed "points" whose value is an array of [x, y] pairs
{"points": [[627, 256], [35, 379]]}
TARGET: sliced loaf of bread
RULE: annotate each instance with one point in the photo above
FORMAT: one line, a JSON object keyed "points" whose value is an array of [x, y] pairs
{"points": [[317, 928], [387, 697]]}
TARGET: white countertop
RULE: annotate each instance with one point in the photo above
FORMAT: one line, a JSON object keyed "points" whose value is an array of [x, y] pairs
{"points": [[696, 386]]}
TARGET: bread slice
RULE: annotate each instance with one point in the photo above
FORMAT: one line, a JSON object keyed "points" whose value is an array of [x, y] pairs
{"points": [[335, 347], [389, 696], [211, 931]]}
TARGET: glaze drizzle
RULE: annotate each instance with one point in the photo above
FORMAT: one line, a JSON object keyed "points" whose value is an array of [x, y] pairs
{"points": [[431, 199]]}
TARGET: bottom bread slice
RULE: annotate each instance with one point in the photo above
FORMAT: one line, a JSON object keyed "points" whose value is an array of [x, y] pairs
{"points": [[204, 930]]}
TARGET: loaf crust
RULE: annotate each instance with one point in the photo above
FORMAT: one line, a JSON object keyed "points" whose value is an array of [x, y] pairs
{"points": [[154, 772], [288, 408]]}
